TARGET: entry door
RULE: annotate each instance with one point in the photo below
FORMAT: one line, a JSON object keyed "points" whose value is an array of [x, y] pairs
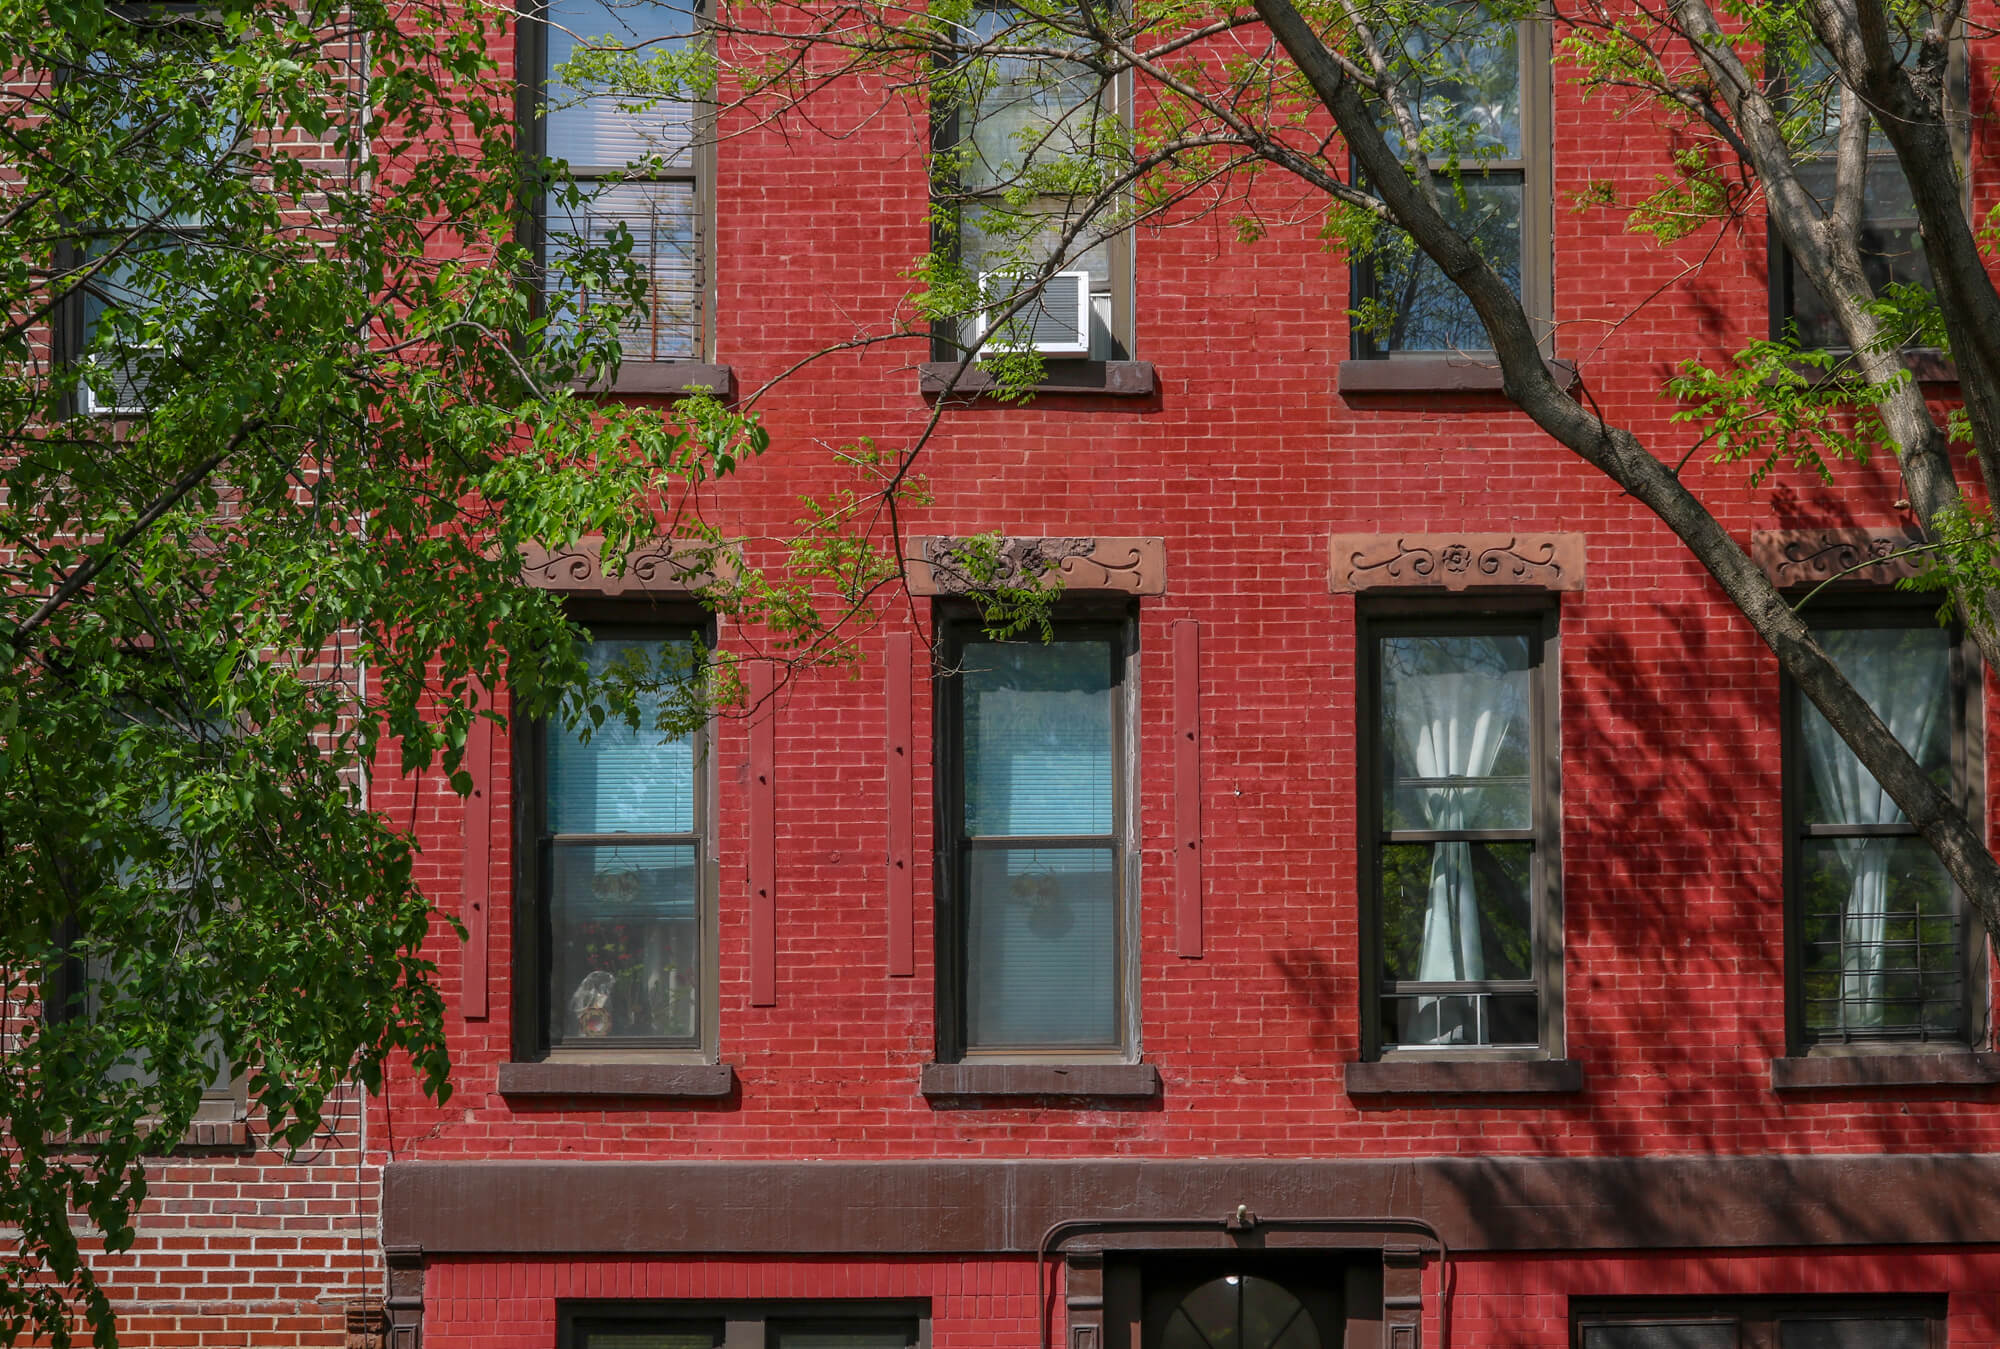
{"points": [[1268, 1304]]}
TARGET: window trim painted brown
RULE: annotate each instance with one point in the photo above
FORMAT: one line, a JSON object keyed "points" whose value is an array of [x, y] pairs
{"points": [[634, 376], [1860, 608], [1757, 1319], [1538, 617], [958, 626], [742, 1324], [532, 881], [1537, 169]]}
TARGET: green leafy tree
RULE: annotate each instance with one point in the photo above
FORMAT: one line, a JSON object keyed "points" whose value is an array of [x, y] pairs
{"points": [[1383, 119], [278, 413]]}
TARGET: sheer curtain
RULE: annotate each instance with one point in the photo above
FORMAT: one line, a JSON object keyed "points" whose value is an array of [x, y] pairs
{"points": [[1902, 676], [1451, 727]]}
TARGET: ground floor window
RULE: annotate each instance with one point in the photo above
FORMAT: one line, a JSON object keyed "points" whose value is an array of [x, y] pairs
{"points": [[1726, 1323], [721, 1325]]}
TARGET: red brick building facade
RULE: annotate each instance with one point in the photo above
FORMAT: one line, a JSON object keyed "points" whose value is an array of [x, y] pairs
{"points": [[1659, 1137]]}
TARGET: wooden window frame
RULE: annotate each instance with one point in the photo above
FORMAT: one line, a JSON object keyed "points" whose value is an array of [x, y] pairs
{"points": [[741, 1325], [1538, 618], [950, 125], [1756, 1319], [1537, 173], [530, 57], [959, 626], [1968, 773], [533, 881]]}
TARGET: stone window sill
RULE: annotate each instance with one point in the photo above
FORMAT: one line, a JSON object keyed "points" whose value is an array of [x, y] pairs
{"points": [[1105, 379], [660, 1081], [1435, 374], [669, 379], [1465, 1077], [948, 1081], [1905, 1068]]}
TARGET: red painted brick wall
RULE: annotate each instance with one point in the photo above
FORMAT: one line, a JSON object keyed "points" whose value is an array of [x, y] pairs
{"points": [[1517, 1302], [1669, 705]]}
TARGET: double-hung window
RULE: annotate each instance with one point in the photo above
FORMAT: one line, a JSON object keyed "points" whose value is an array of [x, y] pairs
{"points": [[640, 170], [1890, 238], [1018, 155], [619, 933], [1034, 915], [1479, 87], [1460, 826], [1878, 948]]}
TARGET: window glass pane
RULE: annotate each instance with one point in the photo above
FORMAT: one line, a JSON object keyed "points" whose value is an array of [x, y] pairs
{"points": [[1456, 722], [645, 1339], [99, 975], [660, 218], [1880, 928], [1457, 911], [1038, 743], [625, 942], [1240, 1312], [1028, 110], [1905, 675], [1468, 83], [591, 131], [1892, 246], [1448, 1020], [1041, 947], [1662, 1335], [879, 1337], [1426, 312], [624, 780], [1854, 1333]]}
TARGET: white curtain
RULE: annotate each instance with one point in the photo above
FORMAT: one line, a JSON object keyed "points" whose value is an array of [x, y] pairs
{"points": [[1903, 680], [1451, 726]]}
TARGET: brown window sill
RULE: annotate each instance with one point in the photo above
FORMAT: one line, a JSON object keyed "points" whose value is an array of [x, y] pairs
{"points": [[706, 1081], [1129, 1080], [1951, 1068], [669, 379], [1464, 1077], [1110, 379], [1435, 374]]}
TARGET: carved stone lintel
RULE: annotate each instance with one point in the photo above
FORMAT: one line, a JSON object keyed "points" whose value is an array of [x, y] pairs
{"points": [[944, 565], [1454, 561], [405, 1303], [1806, 557], [672, 568]]}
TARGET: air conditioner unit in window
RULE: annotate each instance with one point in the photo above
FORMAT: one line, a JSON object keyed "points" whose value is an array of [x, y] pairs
{"points": [[1055, 319], [108, 390]]}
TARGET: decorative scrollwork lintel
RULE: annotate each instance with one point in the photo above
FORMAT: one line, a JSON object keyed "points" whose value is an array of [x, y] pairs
{"points": [[1804, 557], [675, 567], [944, 564], [1512, 560]]}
